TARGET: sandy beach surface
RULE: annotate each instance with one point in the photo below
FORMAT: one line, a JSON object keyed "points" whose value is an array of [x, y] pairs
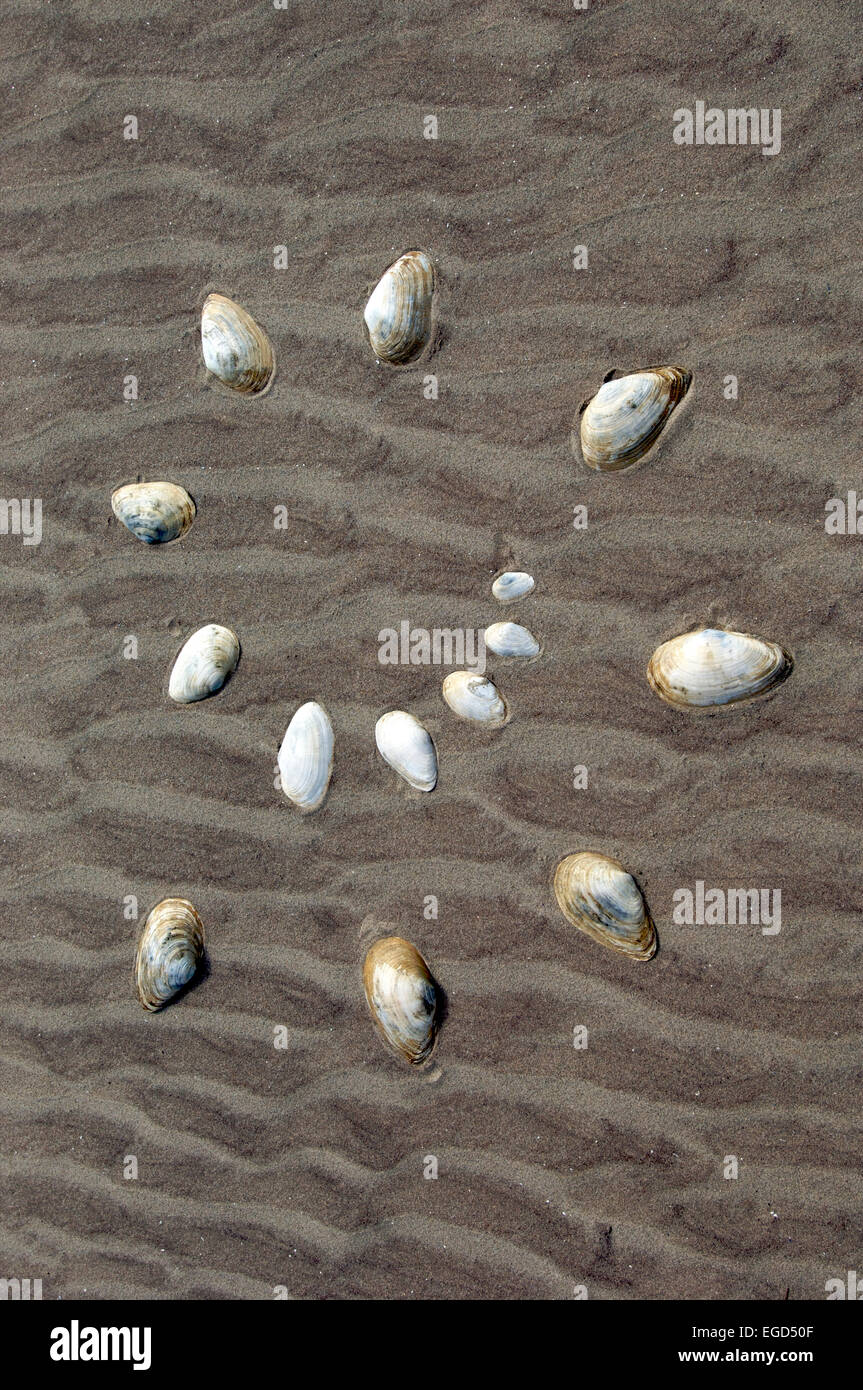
{"points": [[560, 1169]]}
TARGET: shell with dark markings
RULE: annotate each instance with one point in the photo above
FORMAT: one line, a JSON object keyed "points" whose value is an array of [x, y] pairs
{"points": [[235, 348], [713, 667], [598, 896], [398, 315], [205, 662], [169, 953], [402, 998], [512, 585], [154, 512], [627, 415]]}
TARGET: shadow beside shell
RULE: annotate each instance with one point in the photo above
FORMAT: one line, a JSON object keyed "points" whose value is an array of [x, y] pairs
{"points": [[596, 894]]}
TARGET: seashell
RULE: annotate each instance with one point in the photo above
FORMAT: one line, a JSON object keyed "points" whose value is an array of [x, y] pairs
{"points": [[474, 697], [407, 747], [235, 349], [154, 512], [169, 952], [205, 662], [599, 897], [626, 416], [512, 585], [711, 667], [511, 639], [398, 315], [401, 995], [306, 757]]}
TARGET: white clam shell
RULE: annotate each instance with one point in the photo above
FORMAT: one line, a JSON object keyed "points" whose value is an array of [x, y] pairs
{"points": [[713, 667], [170, 951], [511, 639], [408, 748], [512, 585], [306, 757], [628, 413], [235, 348], [598, 896], [154, 512], [471, 696], [398, 315], [205, 662], [402, 998]]}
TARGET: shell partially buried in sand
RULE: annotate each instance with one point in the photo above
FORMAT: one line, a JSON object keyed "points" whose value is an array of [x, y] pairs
{"points": [[712, 667], [596, 894], [234, 347], [511, 639], [169, 953], [398, 315], [402, 998], [512, 585], [205, 662], [625, 418], [407, 746], [156, 513], [476, 698], [306, 757]]}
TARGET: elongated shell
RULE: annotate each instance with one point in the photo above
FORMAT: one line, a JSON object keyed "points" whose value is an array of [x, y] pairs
{"points": [[626, 416], [474, 697], [235, 349], [398, 315], [598, 896], [169, 952], [204, 664], [711, 667], [512, 585], [407, 747], [154, 512], [306, 757], [511, 639], [402, 998]]}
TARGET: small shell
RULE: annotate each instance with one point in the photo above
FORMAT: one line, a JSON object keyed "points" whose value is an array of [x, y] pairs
{"points": [[398, 315], [401, 995], [407, 747], [512, 585], [235, 349], [511, 639], [204, 664], [306, 757], [626, 416], [474, 697], [599, 897], [711, 667], [154, 512], [169, 952]]}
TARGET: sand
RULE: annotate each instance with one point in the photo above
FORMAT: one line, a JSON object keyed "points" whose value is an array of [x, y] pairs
{"points": [[303, 1167]]}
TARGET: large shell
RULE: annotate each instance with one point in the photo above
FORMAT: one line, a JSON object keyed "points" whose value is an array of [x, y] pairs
{"points": [[511, 639], [154, 512], [398, 315], [474, 697], [204, 664], [598, 896], [401, 995], [407, 747], [626, 416], [512, 585], [169, 952], [235, 349], [712, 666], [306, 756]]}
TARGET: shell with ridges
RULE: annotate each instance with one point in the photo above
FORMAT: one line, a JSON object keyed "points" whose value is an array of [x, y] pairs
{"points": [[511, 639], [205, 662], [154, 512], [402, 998], [306, 757], [625, 418], [398, 315], [471, 696], [408, 748], [235, 348], [598, 896], [713, 667], [512, 585], [169, 953]]}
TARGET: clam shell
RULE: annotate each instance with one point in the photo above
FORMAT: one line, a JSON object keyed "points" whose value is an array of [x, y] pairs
{"points": [[474, 697], [712, 666], [511, 639], [398, 315], [306, 757], [235, 349], [512, 585], [169, 953], [205, 662], [402, 998], [626, 416], [154, 512], [598, 896], [407, 747]]}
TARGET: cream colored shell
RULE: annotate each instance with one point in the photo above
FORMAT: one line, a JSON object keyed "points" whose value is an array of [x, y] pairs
{"points": [[713, 667], [170, 952], [234, 347], [205, 662], [154, 512], [402, 998], [306, 757], [398, 315], [474, 697], [596, 894], [627, 415], [407, 746]]}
